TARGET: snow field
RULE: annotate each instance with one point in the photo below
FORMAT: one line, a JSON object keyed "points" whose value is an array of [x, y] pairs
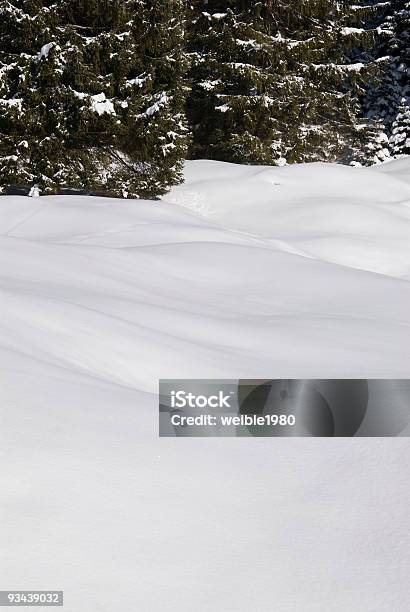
{"points": [[300, 272]]}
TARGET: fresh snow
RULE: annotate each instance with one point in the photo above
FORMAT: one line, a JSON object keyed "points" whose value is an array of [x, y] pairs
{"points": [[300, 271], [162, 100], [101, 105], [45, 50]]}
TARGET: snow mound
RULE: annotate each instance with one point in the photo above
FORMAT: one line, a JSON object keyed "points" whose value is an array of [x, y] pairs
{"points": [[251, 272], [349, 216], [398, 168]]}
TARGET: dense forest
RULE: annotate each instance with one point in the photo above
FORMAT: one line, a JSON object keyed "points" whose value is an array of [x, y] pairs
{"points": [[110, 96]]}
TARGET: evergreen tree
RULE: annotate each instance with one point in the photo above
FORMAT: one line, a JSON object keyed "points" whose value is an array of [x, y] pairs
{"points": [[389, 100], [400, 138], [275, 81], [400, 53], [92, 95], [230, 108]]}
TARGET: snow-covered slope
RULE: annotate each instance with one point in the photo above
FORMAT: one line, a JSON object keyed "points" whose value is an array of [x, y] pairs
{"points": [[241, 272], [356, 218]]}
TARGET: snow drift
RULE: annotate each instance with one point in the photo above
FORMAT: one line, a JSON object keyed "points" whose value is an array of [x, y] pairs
{"points": [[251, 272]]}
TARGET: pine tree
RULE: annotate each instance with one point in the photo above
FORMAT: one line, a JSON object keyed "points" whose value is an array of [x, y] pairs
{"points": [[400, 53], [388, 102], [333, 64], [275, 81], [92, 95], [400, 138], [230, 107]]}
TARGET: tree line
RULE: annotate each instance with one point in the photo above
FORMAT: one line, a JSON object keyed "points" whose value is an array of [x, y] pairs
{"points": [[111, 96]]}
